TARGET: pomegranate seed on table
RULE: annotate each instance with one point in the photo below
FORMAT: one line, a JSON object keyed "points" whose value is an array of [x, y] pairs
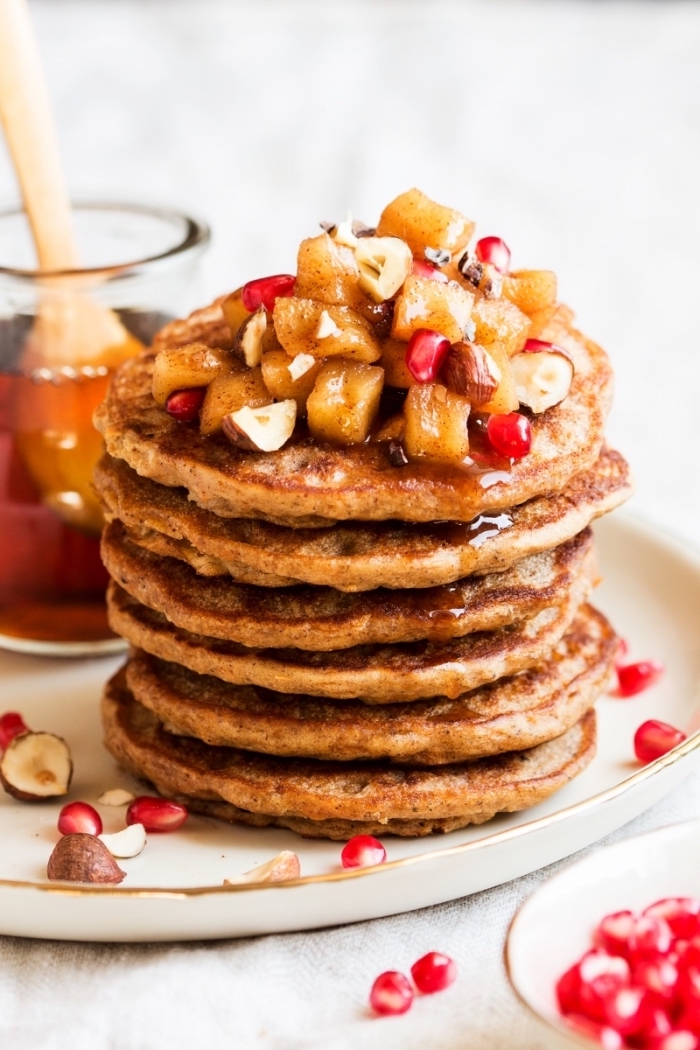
{"points": [[654, 739], [510, 434], [425, 354], [434, 972], [184, 405], [422, 268], [613, 932], [11, 725], [391, 993], [681, 913], [607, 1037], [362, 851], [495, 251], [156, 814], [264, 290], [635, 678], [79, 818]]}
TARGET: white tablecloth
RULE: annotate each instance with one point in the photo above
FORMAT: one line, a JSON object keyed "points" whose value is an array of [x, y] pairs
{"points": [[573, 130]]}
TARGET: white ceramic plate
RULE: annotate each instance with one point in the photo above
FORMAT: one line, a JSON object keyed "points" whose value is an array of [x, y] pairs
{"points": [[547, 935], [174, 888]]}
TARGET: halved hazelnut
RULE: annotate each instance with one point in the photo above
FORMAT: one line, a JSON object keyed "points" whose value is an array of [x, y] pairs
{"points": [[471, 371], [36, 766], [384, 264], [83, 858], [125, 843], [543, 374], [261, 429], [282, 867], [248, 341]]}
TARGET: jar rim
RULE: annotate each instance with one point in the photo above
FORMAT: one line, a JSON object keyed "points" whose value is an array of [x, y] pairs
{"points": [[196, 235]]}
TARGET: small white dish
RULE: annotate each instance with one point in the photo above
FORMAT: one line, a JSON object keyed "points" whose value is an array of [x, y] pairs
{"points": [[553, 928]]}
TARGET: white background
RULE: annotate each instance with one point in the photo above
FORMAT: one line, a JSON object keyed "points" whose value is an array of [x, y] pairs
{"points": [[570, 128]]}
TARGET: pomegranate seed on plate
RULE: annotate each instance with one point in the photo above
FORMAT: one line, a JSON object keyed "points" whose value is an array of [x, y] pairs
{"points": [[495, 251], [654, 739], [425, 354], [391, 993], [511, 434], [635, 678], [422, 268], [613, 932], [434, 972], [184, 405], [607, 1037], [264, 290], [362, 851], [79, 818], [11, 725], [681, 913], [156, 814]]}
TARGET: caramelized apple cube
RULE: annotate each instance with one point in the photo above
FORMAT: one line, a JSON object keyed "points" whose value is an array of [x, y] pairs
{"points": [[277, 371], [505, 398], [436, 424], [235, 313], [422, 303], [531, 290], [304, 326], [424, 224], [181, 367], [230, 392], [327, 272], [344, 401], [393, 361], [500, 321]]}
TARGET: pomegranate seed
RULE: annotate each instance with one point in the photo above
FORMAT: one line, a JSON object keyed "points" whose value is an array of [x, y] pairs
{"points": [[264, 291], [654, 739], [688, 986], [11, 725], [425, 353], [568, 988], [681, 913], [622, 651], [655, 1025], [614, 931], [635, 678], [156, 814], [625, 1010], [79, 818], [184, 405], [362, 851], [511, 435], [539, 346], [601, 976], [495, 251], [659, 977], [678, 1040], [391, 993], [650, 937], [607, 1037], [434, 972], [422, 268]]}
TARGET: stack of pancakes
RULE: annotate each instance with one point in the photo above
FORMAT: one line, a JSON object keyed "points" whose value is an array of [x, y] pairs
{"points": [[328, 643]]}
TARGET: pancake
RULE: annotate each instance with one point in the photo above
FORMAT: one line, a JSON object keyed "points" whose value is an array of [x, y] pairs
{"points": [[376, 673], [511, 714], [334, 799], [355, 556], [322, 619], [306, 482]]}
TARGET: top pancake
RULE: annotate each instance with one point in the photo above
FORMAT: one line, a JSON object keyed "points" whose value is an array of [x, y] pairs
{"points": [[307, 483]]}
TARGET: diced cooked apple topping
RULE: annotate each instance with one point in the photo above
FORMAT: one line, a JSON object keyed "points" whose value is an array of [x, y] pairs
{"points": [[344, 401], [422, 303], [424, 224], [299, 321], [436, 424], [188, 366], [366, 309]]}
